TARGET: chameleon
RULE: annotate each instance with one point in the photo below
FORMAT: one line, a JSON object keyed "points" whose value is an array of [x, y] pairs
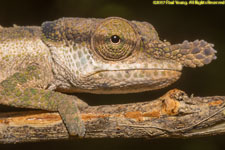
{"points": [[40, 66]]}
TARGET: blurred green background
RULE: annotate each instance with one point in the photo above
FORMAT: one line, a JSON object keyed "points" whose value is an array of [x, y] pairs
{"points": [[173, 23]]}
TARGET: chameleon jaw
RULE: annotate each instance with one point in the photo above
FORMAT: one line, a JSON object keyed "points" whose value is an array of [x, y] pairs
{"points": [[127, 81]]}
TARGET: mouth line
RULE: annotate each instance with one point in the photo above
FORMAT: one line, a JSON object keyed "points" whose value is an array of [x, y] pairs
{"points": [[146, 69]]}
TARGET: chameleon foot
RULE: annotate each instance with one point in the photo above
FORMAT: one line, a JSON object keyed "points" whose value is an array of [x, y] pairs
{"points": [[68, 109]]}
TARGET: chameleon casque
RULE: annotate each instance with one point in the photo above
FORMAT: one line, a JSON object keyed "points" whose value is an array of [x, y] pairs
{"points": [[39, 65]]}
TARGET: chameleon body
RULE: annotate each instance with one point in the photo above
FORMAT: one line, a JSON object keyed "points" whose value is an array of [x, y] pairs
{"points": [[38, 65]]}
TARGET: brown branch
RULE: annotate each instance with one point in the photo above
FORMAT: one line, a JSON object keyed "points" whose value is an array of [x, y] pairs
{"points": [[173, 115]]}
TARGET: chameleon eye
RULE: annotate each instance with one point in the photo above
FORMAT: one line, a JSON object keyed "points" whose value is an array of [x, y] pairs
{"points": [[114, 39]]}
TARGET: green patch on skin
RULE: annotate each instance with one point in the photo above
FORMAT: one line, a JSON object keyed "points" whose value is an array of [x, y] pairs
{"points": [[24, 98], [33, 91], [47, 95], [13, 89], [17, 92], [20, 78], [31, 68], [26, 95], [8, 84]]}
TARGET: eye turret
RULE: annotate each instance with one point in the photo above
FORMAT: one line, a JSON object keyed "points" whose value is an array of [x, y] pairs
{"points": [[114, 39]]}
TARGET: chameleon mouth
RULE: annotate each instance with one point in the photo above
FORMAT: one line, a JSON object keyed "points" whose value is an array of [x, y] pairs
{"points": [[138, 66], [136, 69], [125, 81]]}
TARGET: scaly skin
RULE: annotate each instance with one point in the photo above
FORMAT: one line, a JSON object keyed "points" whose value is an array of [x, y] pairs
{"points": [[108, 56]]}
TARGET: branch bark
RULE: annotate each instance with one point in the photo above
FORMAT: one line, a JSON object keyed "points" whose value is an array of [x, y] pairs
{"points": [[174, 115]]}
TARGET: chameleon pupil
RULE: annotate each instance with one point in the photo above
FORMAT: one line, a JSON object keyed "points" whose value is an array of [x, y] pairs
{"points": [[115, 39]]}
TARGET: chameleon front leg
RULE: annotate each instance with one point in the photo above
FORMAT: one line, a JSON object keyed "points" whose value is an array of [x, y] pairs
{"points": [[18, 90]]}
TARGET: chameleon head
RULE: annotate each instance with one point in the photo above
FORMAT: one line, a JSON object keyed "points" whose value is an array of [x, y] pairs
{"points": [[114, 55]]}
